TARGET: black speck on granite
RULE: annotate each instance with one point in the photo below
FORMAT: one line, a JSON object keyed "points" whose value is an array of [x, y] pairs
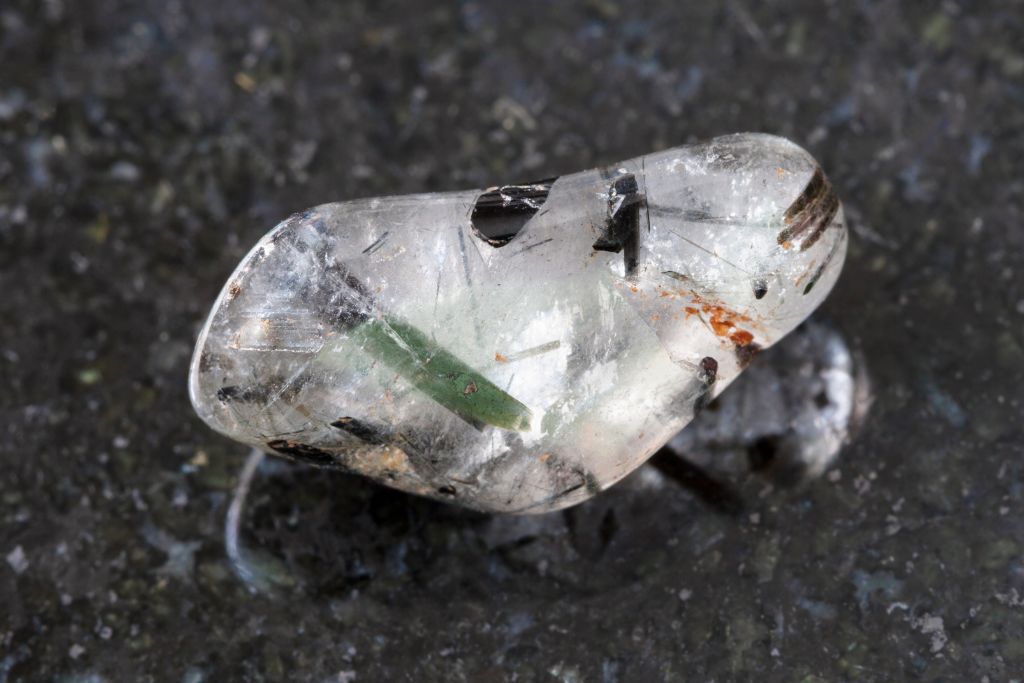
{"points": [[144, 146]]}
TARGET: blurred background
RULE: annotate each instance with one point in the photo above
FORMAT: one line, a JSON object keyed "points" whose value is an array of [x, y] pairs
{"points": [[145, 146]]}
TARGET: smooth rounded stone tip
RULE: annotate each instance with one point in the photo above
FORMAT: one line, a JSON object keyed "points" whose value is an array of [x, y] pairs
{"points": [[519, 348]]}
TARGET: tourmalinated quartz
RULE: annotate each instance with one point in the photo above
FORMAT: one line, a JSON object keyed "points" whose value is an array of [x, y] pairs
{"points": [[520, 348]]}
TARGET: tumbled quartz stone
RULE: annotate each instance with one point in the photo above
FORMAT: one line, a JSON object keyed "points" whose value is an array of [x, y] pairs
{"points": [[519, 349]]}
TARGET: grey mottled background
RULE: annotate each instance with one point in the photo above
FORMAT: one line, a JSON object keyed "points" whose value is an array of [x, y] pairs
{"points": [[144, 146]]}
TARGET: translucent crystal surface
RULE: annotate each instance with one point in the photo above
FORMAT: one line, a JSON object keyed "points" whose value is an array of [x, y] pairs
{"points": [[518, 349]]}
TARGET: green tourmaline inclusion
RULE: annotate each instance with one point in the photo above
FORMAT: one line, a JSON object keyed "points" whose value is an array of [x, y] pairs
{"points": [[439, 374]]}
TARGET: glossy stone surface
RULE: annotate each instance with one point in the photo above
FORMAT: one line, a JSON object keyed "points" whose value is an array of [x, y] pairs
{"points": [[521, 348]]}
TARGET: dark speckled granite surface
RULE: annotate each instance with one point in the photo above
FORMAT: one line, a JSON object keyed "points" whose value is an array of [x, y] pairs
{"points": [[145, 145]]}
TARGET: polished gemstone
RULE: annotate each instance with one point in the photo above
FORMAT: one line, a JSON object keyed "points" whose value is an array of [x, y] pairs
{"points": [[520, 348]]}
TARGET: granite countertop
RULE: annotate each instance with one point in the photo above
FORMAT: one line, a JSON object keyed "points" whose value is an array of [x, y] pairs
{"points": [[144, 146]]}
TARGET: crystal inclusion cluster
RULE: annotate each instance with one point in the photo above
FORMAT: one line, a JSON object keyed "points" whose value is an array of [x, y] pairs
{"points": [[520, 348]]}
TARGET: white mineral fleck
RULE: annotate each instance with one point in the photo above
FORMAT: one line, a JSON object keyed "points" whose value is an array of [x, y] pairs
{"points": [[17, 560]]}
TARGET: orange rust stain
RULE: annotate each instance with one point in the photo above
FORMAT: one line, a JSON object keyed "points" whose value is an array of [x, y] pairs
{"points": [[721, 318], [544, 457], [741, 338], [500, 358], [633, 289], [720, 326], [723, 321], [655, 317], [674, 292]]}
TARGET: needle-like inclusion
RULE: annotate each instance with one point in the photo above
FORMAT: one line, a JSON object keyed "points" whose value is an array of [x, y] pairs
{"points": [[519, 349]]}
